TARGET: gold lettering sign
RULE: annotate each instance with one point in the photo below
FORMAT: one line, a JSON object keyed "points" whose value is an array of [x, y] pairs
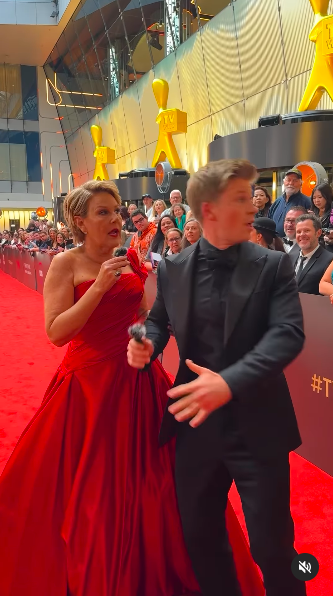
{"points": [[171, 122], [321, 77], [103, 155]]}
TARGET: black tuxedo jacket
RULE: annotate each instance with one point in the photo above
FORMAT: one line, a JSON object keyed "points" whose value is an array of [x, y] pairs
{"points": [[263, 334], [313, 271]]}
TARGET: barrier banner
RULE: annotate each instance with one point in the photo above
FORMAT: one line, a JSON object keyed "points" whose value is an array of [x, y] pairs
{"points": [[10, 261], [42, 264], [19, 265], [310, 381], [28, 270], [5, 260]]}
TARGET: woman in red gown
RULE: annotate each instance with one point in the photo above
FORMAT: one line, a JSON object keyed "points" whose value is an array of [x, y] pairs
{"points": [[87, 499]]}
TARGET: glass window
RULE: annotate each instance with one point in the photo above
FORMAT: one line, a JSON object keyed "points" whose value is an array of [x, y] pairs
{"points": [[172, 25], [210, 8], [33, 156], [18, 156], [4, 155], [3, 93], [154, 19], [137, 38], [13, 90], [29, 92], [121, 57], [189, 14]]}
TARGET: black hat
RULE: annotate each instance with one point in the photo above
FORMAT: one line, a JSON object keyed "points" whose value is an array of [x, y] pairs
{"points": [[147, 196], [266, 224], [295, 171]]}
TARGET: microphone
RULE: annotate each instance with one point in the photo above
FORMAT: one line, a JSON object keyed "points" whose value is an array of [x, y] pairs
{"points": [[137, 332], [120, 252]]}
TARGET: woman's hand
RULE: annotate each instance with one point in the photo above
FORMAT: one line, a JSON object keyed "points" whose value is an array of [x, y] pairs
{"points": [[109, 273]]}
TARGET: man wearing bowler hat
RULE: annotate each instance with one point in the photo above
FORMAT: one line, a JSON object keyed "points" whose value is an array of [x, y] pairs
{"points": [[292, 196]]}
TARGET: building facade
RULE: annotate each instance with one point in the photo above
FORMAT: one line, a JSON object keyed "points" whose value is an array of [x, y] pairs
{"points": [[227, 64]]}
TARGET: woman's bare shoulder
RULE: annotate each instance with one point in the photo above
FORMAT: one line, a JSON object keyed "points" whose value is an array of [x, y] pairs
{"points": [[67, 259]]}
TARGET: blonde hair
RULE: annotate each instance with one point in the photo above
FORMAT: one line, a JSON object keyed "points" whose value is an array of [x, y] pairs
{"points": [[211, 180], [153, 213], [174, 230], [185, 242], [77, 201]]}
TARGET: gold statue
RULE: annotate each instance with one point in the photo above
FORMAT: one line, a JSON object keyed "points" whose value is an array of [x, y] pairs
{"points": [[171, 122], [103, 155], [321, 77]]}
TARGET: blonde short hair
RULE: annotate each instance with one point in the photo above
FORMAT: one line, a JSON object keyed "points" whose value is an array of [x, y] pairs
{"points": [[77, 201], [211, 180]]}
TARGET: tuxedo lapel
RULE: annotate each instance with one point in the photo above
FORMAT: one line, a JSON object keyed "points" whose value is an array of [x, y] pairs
{"points": [[180, 273], [294, 254], [243, 283], [310, 264]]}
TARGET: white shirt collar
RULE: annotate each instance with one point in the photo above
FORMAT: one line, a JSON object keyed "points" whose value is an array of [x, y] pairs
{"points": [[310, 254]]}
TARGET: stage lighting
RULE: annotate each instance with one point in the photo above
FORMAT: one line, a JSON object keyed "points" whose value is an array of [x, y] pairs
{"points": [[154, 41], [270, 120]]}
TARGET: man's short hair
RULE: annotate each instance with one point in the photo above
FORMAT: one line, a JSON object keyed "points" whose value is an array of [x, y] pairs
{"points": [[138, 212], [206, 185], [298, 208], [310, 216]]}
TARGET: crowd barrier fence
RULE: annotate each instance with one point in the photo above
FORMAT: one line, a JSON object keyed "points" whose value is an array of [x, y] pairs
{"points": [[310, 376]]}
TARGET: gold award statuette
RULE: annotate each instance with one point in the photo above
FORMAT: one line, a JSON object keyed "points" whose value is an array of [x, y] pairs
{"points": [[321, 77], [171, 122], [103, 155]]}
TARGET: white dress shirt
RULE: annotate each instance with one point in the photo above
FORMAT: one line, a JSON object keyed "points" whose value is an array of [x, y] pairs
{"points": [[287, 247], [305, 262]]}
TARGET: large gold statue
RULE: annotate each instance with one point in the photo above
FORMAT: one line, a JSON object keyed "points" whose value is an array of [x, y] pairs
{"points": [[321, 77], [103, 155], [171, 122]]}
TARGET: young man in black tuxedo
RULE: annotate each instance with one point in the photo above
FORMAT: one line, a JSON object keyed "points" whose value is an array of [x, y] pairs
{"points": [[235, 312]]}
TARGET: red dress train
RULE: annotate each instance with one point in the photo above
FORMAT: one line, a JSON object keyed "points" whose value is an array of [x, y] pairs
{"points": [[87, 499]]}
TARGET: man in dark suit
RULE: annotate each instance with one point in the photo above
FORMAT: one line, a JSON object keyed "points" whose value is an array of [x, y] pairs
{"points": [[311, 260], [237, 319]]}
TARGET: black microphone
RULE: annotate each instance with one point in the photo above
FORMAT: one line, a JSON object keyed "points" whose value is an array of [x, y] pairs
{"points": [[120, 252], [137, 332]]}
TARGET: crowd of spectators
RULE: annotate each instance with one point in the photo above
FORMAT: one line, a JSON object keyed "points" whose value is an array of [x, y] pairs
{"points": [[39, 236], [300, 226], [156, 231], [296, 224]]}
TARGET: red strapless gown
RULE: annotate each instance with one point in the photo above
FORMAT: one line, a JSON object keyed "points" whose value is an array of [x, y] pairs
{"points": [[87, 499]]}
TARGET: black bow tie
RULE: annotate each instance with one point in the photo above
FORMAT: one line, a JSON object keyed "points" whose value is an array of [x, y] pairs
{"points": [[287, 241], [222, 258]]}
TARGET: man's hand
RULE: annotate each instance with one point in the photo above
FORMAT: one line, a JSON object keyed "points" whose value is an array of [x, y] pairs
{"points": [[139, 354], [204, 395]]}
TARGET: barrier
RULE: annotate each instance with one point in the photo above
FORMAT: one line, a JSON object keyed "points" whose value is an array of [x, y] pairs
{"points": [[28, 268], [310, 376], [42, 263]]}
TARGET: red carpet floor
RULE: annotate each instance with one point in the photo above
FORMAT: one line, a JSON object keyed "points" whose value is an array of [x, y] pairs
{"points": [[27, 363]]}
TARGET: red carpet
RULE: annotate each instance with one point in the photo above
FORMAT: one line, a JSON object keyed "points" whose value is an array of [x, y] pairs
{"points": [[27, 363]]}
